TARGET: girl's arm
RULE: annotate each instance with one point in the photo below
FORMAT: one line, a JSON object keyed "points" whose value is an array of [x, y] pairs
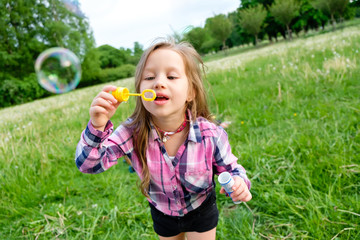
{"points": [[97, 150], [224, 160]]}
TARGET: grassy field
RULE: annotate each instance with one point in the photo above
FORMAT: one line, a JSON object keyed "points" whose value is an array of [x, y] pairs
{"points": [[294, 109]]}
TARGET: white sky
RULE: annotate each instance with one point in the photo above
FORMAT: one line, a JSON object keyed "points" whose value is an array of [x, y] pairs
{"points": [[120, 23]]}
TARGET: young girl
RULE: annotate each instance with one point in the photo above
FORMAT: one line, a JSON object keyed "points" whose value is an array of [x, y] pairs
{"points": [[172, 143]]}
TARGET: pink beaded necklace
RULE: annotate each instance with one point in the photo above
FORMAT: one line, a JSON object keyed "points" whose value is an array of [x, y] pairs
{"points": [[166, 135]]}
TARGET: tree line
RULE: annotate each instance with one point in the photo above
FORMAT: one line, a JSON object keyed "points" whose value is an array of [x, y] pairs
{"points": [[256, 20], [29, 27]]}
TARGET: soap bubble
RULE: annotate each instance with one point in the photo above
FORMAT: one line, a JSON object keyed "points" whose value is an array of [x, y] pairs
{"points": [[74, 7], [58, 70]]}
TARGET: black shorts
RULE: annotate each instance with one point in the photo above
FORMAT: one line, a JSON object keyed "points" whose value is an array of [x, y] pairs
{"points": [[202, 219]]}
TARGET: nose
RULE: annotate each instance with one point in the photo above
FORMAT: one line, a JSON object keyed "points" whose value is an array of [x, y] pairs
{"points": [[159, 82]]}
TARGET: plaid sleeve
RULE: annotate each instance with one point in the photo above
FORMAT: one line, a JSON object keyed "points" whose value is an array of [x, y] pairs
{"points": [[224, 160], [96, 150]]}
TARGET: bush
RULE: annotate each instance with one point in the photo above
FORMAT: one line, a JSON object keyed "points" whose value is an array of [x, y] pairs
{"points": [[14, 91], [112, 74], [212, 45]]}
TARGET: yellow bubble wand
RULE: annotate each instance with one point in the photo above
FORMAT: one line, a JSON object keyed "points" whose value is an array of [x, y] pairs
{"points": [[122, 94]]}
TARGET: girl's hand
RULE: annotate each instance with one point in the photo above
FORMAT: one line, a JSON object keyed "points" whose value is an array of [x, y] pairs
{"points": [[240, 190], [103, 108]]}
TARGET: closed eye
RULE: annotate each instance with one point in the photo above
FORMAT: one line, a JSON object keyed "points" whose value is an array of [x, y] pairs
{"points": [[171, 77], [149, 78]]}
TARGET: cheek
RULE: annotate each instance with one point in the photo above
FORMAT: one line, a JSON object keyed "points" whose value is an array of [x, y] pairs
{"points": [[146, 104], [144, 85]]}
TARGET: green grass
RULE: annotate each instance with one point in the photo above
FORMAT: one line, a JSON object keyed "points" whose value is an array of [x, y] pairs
{"points": [[295, 113]]}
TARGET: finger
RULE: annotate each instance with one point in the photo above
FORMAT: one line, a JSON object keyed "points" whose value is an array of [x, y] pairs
{"points": [[222, 190], [101, 102], [245, 196], [96, 110], [107, 96], [109, 88], [248, 198], [238, 191], [237, 183]]}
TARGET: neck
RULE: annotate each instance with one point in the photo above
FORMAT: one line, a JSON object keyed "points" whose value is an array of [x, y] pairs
{"points": [[165, 135], [168, 124]]}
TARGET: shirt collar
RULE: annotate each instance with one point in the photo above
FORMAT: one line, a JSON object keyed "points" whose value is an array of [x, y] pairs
{"points": [[194, 131]]}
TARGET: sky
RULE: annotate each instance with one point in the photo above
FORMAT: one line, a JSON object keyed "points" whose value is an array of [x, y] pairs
{"points": [[120, 23]]}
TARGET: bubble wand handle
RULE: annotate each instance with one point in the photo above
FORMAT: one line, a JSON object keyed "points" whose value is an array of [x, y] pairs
{"points": [[122, 94], [227, 181], [135, 94]]}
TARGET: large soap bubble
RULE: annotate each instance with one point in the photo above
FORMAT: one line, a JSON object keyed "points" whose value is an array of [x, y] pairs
{"points": [[74, 7], [58, 70]]}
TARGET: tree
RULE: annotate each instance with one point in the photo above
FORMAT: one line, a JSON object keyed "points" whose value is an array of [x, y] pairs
{"points": [[251, 20], [309, 17], [237, 36], [29, 27], [110, 57], [90, 68], [271, 27], [331, 7], [219, 27], [136, 55], [197, 36], [284, 11]]}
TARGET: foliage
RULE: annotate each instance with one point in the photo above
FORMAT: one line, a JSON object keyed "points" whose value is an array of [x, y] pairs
{"points": [[219, 27], [251, 20], [90, 68], [197, 36], [112, 74], [138, 51], [237, 36], [331, 7], [111, 57], [309, 18], [27, 28], [211, 46], [14, 91], [284, 11], [30, 27]]}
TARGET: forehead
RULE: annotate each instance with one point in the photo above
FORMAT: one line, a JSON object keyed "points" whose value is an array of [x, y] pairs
{"points": [[164, 58]]}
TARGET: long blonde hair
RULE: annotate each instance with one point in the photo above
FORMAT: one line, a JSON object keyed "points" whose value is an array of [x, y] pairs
{"points": [[194, 68]]}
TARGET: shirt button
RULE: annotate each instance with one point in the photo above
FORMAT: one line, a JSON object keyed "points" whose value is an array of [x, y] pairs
{"points": [[172, 169], [174, 187]]}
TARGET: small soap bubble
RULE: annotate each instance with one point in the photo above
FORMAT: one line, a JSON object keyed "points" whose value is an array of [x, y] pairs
{"points": [[58, 70]]}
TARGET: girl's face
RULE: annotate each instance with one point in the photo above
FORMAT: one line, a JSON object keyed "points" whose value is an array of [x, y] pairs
{"points": [[164, 72]]}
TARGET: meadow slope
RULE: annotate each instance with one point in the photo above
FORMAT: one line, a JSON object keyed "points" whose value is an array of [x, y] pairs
{"points": [[294, 109]]}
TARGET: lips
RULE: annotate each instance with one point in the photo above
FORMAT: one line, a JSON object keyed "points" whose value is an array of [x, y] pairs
{"points": [[161, 99]]}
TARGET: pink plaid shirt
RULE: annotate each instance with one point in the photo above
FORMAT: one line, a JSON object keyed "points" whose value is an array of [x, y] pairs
{"points": [[177, 185]]}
